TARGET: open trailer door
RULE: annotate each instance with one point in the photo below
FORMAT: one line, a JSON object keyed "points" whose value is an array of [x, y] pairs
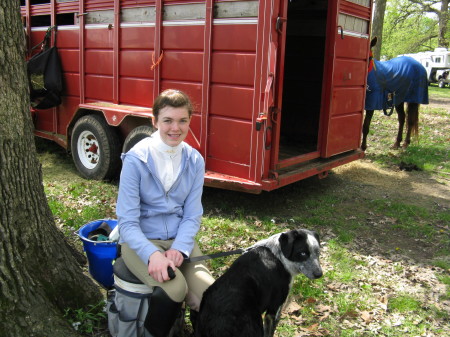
{"points": [[346, 69]]}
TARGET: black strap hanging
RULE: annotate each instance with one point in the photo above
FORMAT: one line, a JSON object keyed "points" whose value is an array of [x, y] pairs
{"points": [[45, 74], [45, 43]]}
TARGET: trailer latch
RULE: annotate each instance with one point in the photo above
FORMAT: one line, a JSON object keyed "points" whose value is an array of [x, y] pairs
{"points": [[260, 119], [279, 24]]}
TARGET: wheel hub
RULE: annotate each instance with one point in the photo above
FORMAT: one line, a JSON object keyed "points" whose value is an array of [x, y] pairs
{"points": [[88, 149]]}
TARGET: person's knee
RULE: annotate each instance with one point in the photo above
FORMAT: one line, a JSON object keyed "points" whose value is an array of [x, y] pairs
{"points": [[177, 288], [200, 279]]}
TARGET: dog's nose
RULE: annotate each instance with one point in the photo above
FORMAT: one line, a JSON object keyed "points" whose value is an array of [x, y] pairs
{"points": [[318, 274]]}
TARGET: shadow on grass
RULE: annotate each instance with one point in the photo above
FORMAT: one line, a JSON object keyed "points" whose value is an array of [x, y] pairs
{"points": [[358, 202]]}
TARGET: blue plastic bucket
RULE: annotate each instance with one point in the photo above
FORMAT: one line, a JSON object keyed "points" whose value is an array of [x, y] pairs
{"points": [[100, 254]]}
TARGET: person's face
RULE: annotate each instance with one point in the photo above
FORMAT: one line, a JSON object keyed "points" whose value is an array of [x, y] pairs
{"points": [[173, 124]]}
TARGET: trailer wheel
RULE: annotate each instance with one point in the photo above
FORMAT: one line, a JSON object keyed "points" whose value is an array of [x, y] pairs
{"points": [[136, 135], [95, 148]]}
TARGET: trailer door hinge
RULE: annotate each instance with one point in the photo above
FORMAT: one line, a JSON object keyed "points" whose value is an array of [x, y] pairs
{"points": [[274, 114]]}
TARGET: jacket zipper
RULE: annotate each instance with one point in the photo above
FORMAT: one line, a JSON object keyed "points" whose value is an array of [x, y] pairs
{"points": [[170, 189], [156, 178]]}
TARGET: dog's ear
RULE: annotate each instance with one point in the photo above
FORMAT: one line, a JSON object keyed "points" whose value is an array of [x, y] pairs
{"points": [[316, 235], [287, 241]]}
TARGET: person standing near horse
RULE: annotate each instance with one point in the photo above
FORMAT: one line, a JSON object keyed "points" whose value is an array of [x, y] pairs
{"points": [[159, 211], [391, 84]]}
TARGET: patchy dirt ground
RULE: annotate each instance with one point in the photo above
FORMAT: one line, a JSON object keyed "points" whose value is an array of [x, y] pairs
{"points": [[440, 102], [419, 188], [431, 191], [397, 263]]}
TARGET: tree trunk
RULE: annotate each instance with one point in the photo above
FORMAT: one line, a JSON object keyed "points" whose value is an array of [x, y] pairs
{"points": [[377, 27], [443, 22], [39, 275]]}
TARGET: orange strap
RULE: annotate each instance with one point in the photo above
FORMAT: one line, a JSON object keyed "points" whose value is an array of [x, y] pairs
{"points": [[155, 64]]}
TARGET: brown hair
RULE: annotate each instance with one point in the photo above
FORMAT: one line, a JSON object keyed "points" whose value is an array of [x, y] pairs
{"points": [[173, 98]]}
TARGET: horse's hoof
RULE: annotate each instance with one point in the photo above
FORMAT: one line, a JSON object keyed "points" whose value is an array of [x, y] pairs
{"points": [[396, 146]]}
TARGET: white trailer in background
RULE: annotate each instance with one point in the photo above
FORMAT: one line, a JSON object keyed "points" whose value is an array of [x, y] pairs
{"points": [[437, 64]]}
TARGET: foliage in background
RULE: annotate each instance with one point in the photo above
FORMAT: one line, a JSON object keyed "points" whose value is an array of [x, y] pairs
{"points": [[409, 29]]}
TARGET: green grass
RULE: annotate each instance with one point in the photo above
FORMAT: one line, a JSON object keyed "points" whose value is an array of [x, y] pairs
{"points": [[445, 279], [77, 203], [429, 151], [404, 304], [87, 322], [426, 224], [435, 91]]}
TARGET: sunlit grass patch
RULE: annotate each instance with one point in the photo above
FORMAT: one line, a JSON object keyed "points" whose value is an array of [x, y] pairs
{"points": [[344, 265], [404, 303], [435, 91], [429, 151], [78, 203]]}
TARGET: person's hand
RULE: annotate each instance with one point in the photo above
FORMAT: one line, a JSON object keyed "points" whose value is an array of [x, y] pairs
{"points": [[157, 266], [175, 256]]}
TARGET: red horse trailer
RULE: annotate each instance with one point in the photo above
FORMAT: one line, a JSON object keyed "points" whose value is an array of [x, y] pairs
{"points": [[278, 85]]}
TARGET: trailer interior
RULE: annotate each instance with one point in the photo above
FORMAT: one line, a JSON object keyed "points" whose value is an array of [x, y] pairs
{"points": [[303, 76]]}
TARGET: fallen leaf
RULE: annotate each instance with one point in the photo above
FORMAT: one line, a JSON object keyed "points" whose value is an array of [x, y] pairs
{"points": [[311, 327], [311, 300], [366, 316], [292, 307], [323, 308]]}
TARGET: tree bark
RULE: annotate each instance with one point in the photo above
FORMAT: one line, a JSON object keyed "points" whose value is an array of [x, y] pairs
{"points": [[39, 275], [377, 27], [443, 22]]}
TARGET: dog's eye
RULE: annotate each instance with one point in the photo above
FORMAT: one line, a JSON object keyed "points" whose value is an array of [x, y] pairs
{"points": [[303, 254]]}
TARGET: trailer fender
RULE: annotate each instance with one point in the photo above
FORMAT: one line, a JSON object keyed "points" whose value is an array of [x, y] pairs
{"points": [[115, 113], [126, 118]]}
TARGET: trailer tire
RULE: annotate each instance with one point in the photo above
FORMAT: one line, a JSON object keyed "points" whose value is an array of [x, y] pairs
{"points": [[136, 135], [95, 148]]}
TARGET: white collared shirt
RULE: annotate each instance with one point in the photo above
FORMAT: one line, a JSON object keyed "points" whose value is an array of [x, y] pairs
{"points": [[167, 160]]}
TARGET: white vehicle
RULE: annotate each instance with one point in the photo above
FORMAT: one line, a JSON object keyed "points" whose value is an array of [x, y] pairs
{"points": [[437, 64]]}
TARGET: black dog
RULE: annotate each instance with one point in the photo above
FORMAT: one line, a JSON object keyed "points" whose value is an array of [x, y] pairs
{"points": [[258, 282]]}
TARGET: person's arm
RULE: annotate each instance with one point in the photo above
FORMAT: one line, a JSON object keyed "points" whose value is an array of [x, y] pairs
{"points": [[192, 212], [129, 209]]}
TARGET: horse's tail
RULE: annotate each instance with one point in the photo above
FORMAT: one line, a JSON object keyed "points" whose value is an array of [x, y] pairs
{"points": [[413, 118]]}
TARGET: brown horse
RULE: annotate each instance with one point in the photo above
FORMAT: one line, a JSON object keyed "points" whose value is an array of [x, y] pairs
{"points": [[391, 84]]}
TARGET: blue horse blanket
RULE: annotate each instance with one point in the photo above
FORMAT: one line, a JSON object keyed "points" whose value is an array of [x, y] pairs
{"points": [[392, 82]]}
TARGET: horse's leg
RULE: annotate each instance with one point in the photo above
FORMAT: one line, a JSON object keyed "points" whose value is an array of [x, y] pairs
{"points": [[366, 126], [401, 123], [412, 111]]}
